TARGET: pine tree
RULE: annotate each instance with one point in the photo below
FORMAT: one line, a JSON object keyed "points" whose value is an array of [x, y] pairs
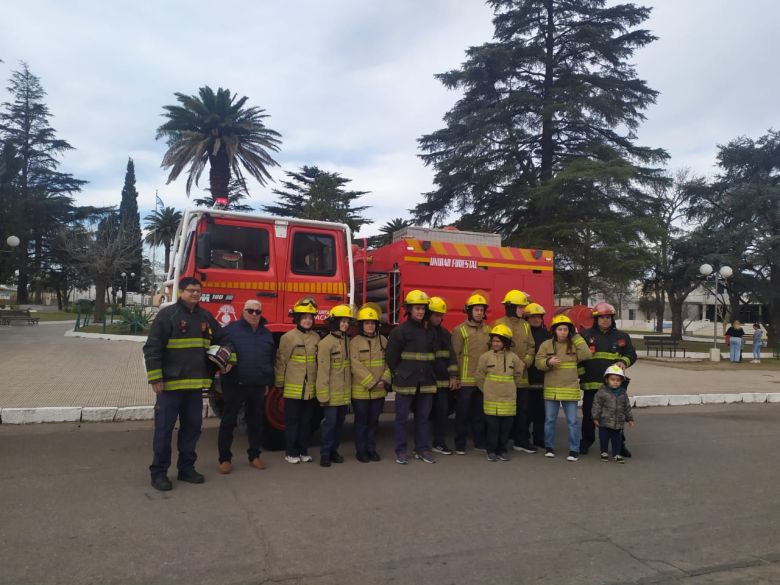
{"points": [[130, 224], [541, 147], [313, 193], [43, 194]]}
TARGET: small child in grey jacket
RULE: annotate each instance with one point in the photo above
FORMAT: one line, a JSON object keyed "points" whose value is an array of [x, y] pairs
{"points": [[611, 411]]}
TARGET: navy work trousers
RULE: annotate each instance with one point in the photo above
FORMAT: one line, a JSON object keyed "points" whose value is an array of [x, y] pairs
{"points": [[332, 425], [469, 416], [367, 413], [187, 407], [422, 404], [297, 426]]}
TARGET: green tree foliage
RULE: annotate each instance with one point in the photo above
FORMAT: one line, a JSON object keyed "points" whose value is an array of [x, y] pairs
{"points": [[313, 193], [237, 192], [40, 194], [217, 128], [130, 224], [742, 206], [162, 226], [386, 232], [541, 147]]}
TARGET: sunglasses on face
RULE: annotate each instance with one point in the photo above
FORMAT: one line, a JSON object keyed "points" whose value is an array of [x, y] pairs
{"points": [[253, 311], [194, 291]]}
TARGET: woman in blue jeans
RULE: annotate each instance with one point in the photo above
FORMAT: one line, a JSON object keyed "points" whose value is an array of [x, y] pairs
{"points": [[558, 358], [734, 336], [758, 343]]}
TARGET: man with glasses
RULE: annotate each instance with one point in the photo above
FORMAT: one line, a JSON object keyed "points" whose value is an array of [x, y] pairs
{"points": [[178, 370], [608, 346], [247, 383]]}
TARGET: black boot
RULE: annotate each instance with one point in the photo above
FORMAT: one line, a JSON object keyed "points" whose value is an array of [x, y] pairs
{"points": [[162, 483], [191, 476], [336, 458]]}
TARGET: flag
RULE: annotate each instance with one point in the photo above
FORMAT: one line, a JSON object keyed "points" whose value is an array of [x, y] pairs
{"points": [[158, 201]]}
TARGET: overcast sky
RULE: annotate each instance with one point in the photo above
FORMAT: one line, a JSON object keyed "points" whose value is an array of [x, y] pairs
{"points": [[349, 83]]}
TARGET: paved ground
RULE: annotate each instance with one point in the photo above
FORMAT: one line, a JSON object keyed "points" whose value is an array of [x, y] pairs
{"points": [[698, 504], [42, 367]]}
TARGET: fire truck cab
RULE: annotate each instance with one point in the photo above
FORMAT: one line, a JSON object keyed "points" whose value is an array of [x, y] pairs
{"points": [[239, 256]]}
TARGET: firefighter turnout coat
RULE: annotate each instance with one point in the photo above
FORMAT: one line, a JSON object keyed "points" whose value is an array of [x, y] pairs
{"points": [[523, 343], [334, 376], [469, 341], [561, 381], [498, 375], [175, 351], [410, 358], [606, 349], [367, 358], [295, 369], [445, 364]]}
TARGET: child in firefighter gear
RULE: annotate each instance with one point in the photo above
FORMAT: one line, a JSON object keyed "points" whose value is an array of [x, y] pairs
{"points": [[410, 359], [534, 314], [499, 371], [558, 358], [334, 382], [295, 371], [611, 412], [469, 341], [608, 346], [179, 370], [445, 366], [515, 302], [370, 380], [246, 384]]}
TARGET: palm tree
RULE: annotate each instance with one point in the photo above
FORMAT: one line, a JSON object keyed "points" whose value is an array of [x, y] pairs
{"points": [[216, 128], [386, 232], [162, 226]]}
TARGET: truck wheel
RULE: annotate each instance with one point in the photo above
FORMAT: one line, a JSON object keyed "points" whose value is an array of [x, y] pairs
{"points": [[273, 429]]}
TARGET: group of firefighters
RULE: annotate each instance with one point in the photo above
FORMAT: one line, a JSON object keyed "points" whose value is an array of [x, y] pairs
{"points": [[507, 378]]}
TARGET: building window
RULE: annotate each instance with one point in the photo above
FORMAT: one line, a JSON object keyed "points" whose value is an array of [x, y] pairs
{"points": [[632, 314]]}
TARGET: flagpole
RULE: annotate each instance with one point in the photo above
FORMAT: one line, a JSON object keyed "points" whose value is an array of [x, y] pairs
{"points": [[154, 251]]}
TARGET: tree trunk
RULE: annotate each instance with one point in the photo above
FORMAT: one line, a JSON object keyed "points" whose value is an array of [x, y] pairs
{"points": [[23, 280], [100, 301], [660, 305], [546, 164], [219, 174], [676, 306], [58, 290]]}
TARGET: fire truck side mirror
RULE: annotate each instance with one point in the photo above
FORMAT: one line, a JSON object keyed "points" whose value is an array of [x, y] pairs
{"points": [[203, 250]]}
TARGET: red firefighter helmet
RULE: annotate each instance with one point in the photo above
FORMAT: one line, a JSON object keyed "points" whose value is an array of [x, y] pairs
{"points": [[603, 308]]}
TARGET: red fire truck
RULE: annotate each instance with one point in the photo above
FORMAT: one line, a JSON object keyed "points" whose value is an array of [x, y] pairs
{"points": [[276, 260]]}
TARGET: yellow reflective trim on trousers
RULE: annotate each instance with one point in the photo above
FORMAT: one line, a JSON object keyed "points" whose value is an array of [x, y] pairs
{"points": [[413, 389], [417, 357], [497, 408], [606, 355], [464, 374], [188, 343], [188, 384], [302, 359], [153, 375], [499, 378]]}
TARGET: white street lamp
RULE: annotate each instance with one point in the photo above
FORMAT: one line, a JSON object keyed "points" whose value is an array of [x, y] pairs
{"points": [[725, 272], [12, 241]]}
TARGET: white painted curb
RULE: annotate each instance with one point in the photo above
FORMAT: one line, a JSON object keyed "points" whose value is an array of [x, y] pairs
{"points": [[109, 336], [50, 414]]}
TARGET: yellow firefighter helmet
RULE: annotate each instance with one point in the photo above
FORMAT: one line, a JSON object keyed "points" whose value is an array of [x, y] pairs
{"points": [[516, 297], [502, 331], [438, 305], [340, 311], [369, 312], [305, 305], [476, 299], [417, 297], [534, 309], [562, 320]]}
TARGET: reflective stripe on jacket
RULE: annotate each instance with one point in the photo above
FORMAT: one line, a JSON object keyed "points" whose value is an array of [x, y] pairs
{"points": [[175, 350], [498, 375], [469, 341], [606, 349], [334, 376], [410, 358], [367, 359], [523, 344], [445, 364], [561, 381], [295, 368]]}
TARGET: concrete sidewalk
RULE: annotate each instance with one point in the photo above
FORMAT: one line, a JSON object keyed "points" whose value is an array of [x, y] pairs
{"points": [[41, 367]]}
